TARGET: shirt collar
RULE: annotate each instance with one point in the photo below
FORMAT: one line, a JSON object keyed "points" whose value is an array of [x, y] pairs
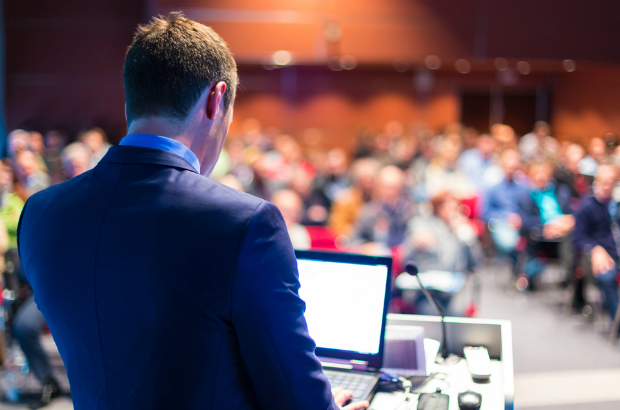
{"points": [[164, 144]]}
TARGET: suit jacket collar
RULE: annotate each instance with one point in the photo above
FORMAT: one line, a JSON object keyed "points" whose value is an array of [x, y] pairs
{"points": [[126, 154]]}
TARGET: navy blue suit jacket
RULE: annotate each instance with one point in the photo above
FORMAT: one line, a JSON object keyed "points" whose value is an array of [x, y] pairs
{"points": [[166, 290]]}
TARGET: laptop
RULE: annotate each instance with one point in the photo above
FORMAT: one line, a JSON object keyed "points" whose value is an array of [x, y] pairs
{"points": [[347, 298]]}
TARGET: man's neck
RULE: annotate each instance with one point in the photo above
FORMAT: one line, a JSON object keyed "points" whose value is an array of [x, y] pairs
{"points": [[161, 127]]}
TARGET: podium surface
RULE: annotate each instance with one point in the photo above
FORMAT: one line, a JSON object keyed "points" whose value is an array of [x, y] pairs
{"points": [[454, 377]]}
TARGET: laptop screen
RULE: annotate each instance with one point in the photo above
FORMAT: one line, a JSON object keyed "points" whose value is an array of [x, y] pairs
{"points": [[345, 301]]}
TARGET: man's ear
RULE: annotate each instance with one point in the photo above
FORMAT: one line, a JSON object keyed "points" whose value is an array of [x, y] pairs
{"points": [[214, 98]]}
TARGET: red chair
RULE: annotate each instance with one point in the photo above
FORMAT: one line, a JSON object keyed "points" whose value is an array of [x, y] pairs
{"points": [[322, 238]]}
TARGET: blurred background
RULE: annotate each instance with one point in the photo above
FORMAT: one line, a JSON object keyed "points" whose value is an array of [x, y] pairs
{"points": [[429, 130]]}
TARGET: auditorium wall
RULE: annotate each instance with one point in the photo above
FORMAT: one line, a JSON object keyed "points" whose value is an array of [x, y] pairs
{"points": [[64, 61]]}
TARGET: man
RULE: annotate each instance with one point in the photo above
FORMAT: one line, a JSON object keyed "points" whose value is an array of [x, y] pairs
{"points": [[480, 163], [168, 290], [347, 205], [76, 159], [595, 235], [596, 152], [96, 140], [539, 145], [28, 172], [569, 175], [546, 222], [383, 220], [500, 207]]}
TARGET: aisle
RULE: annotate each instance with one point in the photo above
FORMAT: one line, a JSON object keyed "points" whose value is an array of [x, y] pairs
{"points": [[560, 361]]}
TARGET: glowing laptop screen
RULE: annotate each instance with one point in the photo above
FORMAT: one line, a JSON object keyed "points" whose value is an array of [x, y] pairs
{"points": [[344, 304]]}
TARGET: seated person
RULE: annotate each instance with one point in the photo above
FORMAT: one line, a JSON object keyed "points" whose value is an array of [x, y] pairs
{"points": [[442, 241], [348, 203], [480, 163], [383, 220], [593, 236], [291, 206], [568, 174], [546, 222], [443, 174], [500, 210]]}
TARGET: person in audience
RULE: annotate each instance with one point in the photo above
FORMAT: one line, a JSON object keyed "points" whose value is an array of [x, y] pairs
{"points": [[539, 145], [17, 140], [596, 152], [568, 174], [505, 136], [315, 209], [291, 206], [442, 241], [593, 237], [37, 146], [479, 164], [54, 143], [97, 141], [76, 159], [335, 179], [443, 175], [347, 205], [500, 207], [28, 173], [546, 222], [11, 205], [384, 219]]}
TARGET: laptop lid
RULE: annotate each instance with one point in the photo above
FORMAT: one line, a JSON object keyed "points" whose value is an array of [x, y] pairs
{"points": [[347, 298]]}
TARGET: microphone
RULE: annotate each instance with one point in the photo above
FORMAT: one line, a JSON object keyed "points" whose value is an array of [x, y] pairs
{"points": [[412, 269]]}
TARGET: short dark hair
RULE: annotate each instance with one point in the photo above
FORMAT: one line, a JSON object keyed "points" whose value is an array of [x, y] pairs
{"points": [[170, 63]]}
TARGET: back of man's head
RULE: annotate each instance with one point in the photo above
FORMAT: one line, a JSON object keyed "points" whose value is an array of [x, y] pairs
{"points": [[169, 65]]}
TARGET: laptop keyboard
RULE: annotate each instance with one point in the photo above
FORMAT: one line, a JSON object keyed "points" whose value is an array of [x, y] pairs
{"points": [[359, 384]]}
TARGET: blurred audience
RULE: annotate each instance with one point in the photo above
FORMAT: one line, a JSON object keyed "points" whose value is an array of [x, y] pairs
{"points": [[407, 192]]}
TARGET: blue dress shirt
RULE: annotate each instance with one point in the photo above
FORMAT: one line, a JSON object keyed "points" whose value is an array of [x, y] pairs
{"points": [[164, 144]]}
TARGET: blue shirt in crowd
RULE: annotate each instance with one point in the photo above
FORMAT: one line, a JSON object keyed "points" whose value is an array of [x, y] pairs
{"points": [[502, 200], [547, 203]]}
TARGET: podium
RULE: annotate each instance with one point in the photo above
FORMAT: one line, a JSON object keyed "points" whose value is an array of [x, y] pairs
{"points": [[495, 335]]}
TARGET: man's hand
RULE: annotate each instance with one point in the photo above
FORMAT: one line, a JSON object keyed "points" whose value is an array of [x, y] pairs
{"points": [[560, 227], [341, 396], [601, 261], [552, 231], [514, 220]]}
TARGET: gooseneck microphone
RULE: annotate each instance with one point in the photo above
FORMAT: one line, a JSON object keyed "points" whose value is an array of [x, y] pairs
{"points": [[412, 269]]}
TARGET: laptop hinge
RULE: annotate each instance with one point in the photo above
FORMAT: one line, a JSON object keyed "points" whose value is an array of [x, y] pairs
{"points": [[340, 364]]}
